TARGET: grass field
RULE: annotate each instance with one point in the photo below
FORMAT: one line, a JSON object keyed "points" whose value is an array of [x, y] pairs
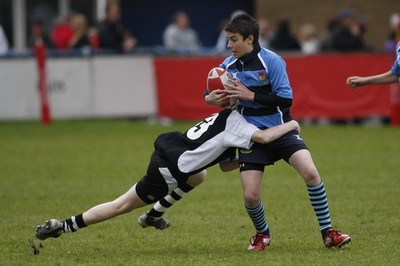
{"points": [[62, 170]]}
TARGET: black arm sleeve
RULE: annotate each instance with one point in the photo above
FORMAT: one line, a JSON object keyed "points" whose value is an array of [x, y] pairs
{"points": [[272, 100]]}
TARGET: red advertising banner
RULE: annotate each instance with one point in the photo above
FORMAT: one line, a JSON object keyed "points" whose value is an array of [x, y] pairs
{"points": [[318, 82], [320, 89], [181, 82]]}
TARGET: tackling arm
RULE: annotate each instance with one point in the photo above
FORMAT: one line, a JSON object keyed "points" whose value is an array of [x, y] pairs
{"points": [[263, 136], [270, 134]]}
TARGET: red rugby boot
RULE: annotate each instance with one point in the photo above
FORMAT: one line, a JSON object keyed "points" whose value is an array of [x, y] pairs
{"points": [[335, 239], [259, 242]]}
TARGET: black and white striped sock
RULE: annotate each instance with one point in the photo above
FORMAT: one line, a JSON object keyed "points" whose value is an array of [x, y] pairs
{"points": [[74, 223], [165, 203]]}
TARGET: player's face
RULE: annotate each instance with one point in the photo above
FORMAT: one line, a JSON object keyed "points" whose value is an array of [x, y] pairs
{"points": [[237, 45]]}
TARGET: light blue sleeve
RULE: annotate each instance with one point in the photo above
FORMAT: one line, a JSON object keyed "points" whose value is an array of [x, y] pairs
{"points": [[396, 65], [226, 62], [279, 78]]}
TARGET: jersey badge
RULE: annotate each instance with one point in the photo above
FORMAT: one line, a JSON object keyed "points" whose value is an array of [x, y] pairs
{"points": [[261, 75]]}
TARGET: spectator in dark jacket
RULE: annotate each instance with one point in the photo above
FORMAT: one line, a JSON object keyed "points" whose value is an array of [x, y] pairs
{"points": [[348, 34], [284, 40], [112, 34]]}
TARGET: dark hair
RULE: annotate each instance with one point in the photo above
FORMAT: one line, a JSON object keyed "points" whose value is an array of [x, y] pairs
{"points": [[245, 25]]}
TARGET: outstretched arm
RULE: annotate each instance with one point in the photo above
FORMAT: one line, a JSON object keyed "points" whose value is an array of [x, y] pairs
{"points": [[270, 134], [263, 136], [385, 78]]}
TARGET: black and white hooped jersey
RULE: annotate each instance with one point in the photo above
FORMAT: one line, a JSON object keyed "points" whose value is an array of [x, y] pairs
{"points": [[207, 143]]}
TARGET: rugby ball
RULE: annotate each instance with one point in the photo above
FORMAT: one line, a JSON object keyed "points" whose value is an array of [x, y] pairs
{"points": [[216, 80]]}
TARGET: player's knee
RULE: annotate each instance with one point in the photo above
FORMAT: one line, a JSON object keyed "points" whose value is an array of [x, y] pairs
{"points": [[251, 199], [197, 179], [311, 176]]}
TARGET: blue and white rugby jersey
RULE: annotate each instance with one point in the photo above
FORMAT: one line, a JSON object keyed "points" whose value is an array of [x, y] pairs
{"points": [[262, 71], [396, 65]]}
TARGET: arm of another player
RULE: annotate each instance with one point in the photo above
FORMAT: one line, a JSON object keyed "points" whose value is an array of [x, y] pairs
{"points": [[263, 136], [385, 78], [270, 134]]}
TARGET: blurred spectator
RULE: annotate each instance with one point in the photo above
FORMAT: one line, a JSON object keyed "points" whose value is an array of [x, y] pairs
{"points": [[179, 36], [79, 27], [283, 39], [308, 39], [222, 41], [326, 39], [62, 33], [394, 33], [45, 13], [4, 47], [37, 27], [93, 36], [112, 34], [349, 32], [266, 33]]}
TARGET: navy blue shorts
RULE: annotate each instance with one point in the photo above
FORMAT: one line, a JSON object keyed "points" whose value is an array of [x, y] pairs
{"points": [[260, 155]]}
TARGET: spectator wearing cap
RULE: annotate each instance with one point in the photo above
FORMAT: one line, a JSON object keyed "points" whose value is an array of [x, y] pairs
{"points": [[348, 34]]}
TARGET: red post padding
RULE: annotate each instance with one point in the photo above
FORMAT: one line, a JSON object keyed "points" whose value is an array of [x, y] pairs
{"points": [[40, 55], [395, 105]]}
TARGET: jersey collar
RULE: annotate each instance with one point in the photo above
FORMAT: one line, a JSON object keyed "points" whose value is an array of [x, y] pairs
{"points": [[252, 54]]}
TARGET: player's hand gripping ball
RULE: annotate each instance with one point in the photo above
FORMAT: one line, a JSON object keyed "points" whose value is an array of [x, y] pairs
{"points": [[216, 80]]}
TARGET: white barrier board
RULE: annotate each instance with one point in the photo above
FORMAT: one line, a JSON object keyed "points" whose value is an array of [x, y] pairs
{"points": [[79, 87]]}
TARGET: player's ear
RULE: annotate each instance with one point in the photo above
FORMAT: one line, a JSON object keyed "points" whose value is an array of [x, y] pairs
{"points": [[250, 39]]}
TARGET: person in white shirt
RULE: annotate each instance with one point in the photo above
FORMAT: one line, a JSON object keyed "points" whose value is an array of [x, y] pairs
{"points": [[4, 47], [179, 36]]}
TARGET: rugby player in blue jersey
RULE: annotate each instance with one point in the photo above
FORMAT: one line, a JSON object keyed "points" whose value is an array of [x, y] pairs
{"points": [[263, 88], [391, 76], [177, 164]]}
